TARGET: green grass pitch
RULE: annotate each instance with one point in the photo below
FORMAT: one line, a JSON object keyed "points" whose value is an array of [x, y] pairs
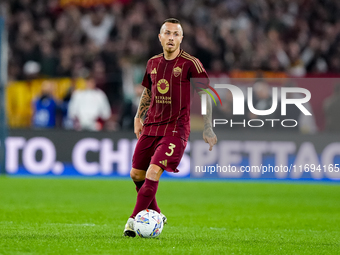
{"points": [[82, 216]]}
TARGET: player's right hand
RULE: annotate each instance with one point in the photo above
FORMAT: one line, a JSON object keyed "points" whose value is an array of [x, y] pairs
{"points": [[138, 126]]}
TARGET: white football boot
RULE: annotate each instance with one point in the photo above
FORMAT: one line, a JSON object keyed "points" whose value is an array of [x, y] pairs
{"points": [[165, 219], [130, 228]]}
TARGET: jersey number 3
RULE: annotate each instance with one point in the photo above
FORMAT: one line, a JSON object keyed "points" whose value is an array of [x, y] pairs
{"points": [[171, 147]]}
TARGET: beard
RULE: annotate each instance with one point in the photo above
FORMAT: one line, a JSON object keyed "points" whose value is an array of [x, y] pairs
{"points": [[170, 49]]}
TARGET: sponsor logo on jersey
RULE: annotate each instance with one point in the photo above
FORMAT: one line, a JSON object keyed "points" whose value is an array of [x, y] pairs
{"points": [[164, 162], [163, 100], [154, 71], [177, 71], [163, 86]]}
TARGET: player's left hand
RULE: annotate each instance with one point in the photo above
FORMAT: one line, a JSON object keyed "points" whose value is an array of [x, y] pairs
{"points": [[138, 126], [209, 137]]}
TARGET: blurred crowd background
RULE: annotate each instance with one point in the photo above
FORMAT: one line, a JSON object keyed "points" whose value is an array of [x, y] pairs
{"points": [[59, 51]]}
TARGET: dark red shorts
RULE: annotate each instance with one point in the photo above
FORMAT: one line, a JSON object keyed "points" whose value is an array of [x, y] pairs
{"points": [[163, 151]]}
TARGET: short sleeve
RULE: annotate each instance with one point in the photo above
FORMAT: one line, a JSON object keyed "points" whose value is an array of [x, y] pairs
{"points": [[198, 76], [147, 79]]}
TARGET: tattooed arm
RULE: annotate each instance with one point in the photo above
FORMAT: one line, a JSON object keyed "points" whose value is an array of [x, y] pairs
{"points": [[208, 133], [143, 107]]}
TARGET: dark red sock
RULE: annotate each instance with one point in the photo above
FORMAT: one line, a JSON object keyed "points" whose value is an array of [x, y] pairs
{"points": [[145, 196], [153, 205], [139, 185]]}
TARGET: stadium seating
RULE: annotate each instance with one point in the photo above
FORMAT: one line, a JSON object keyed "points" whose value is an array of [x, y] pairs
{"points": [[20, 95]]}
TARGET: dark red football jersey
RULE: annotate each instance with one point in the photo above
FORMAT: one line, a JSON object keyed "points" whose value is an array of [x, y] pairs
{"points": [[169, 81]]}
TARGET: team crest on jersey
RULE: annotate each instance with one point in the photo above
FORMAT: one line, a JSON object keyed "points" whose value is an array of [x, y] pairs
{"points": [[163, 86], [177, 71]]}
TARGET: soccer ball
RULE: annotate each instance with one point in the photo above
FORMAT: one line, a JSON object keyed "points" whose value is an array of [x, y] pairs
{"points": [[148, 223]]}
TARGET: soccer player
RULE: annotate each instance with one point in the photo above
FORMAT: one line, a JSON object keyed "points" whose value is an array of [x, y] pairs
{"points": [[165, 104]]}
